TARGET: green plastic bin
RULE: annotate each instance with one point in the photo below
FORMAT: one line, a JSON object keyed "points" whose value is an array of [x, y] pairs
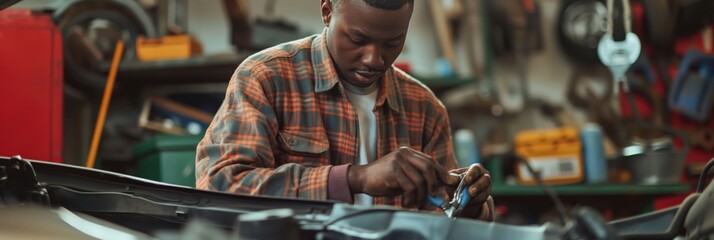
{"points": [[167, 158]]}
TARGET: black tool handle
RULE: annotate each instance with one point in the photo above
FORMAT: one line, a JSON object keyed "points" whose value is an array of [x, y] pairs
{"points": [[618, 20]]}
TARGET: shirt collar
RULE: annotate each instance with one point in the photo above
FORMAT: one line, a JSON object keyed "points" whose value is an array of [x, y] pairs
{"points": [[326, 76]]}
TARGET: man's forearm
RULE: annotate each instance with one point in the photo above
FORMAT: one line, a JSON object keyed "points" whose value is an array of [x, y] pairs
{"points": [[288, 180]]}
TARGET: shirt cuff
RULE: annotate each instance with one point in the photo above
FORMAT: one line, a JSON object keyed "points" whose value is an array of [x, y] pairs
{"points": [[338, 187]]}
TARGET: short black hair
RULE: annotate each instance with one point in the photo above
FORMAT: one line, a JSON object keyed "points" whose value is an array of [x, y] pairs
{"points": [[383, 4]]}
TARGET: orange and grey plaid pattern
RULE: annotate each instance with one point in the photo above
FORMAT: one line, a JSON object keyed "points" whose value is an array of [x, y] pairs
{"points": [[286, 120]]}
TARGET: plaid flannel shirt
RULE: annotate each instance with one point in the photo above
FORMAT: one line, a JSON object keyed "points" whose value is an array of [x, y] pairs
{"points": [[286, 121]]}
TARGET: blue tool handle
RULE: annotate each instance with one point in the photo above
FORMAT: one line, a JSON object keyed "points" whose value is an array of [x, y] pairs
{"points": [[465, 197], [436, 200], [439, 201]]}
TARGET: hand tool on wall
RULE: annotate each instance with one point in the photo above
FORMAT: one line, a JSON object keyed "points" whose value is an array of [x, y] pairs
{"points": [[641, 79], [102, 22], [515, 27], [514, 35], [692, 92], [619, 48], [582, 94], [652, 114], [642, 66], [581, 24], [654, 100], [105, 104], [457, 203]]}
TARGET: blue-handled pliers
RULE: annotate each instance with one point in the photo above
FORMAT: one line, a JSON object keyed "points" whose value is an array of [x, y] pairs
{"points": [[458, 202]]}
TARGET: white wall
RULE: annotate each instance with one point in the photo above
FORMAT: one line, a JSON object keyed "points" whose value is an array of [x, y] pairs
{"points": [[548, 70], [209, 24]]}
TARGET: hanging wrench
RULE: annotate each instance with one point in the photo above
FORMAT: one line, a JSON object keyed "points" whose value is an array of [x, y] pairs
{"points": [[619, 48]]}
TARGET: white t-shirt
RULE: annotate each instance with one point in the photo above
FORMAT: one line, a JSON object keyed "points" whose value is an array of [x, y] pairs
{"points": [[363, 100]]}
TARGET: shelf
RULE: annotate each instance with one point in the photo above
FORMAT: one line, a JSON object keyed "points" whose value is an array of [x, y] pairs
{"points": [[216, 68], [591, 190], [199, 69]]}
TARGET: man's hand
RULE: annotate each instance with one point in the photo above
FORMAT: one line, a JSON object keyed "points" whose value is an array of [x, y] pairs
{"points": [[404, 171], [479, 180]]}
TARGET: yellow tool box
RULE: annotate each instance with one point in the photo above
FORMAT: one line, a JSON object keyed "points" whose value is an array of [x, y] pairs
{"points": [[166, 48], [555, 153]]}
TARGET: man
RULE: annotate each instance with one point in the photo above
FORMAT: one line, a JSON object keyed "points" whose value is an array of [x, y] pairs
{"points": [[329, 117]]}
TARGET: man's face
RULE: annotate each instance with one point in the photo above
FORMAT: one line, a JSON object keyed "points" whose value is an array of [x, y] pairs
{"points": [[364, 40]]}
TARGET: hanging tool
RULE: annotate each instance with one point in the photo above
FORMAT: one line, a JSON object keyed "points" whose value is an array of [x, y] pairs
{"points": [[581, 24], [118, 50], [691, 91], [644, 89], [582, 94], [642, 66], [514, 35], [642, 80], [619, 48], [458, 202]]}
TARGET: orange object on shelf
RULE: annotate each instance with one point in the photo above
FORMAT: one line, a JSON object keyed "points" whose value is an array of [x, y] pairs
{"points": [[555, 153], [166, 48]]}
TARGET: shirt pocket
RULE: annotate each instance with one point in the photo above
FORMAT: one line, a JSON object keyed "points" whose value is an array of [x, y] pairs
{"points": [[306, 148]]}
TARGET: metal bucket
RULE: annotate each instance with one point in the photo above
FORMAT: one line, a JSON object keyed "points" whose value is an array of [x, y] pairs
{"points": [[656, 161], [656, 167]]}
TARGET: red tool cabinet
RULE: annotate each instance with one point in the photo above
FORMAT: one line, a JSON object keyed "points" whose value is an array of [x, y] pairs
{"points": [[31, 82]]}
